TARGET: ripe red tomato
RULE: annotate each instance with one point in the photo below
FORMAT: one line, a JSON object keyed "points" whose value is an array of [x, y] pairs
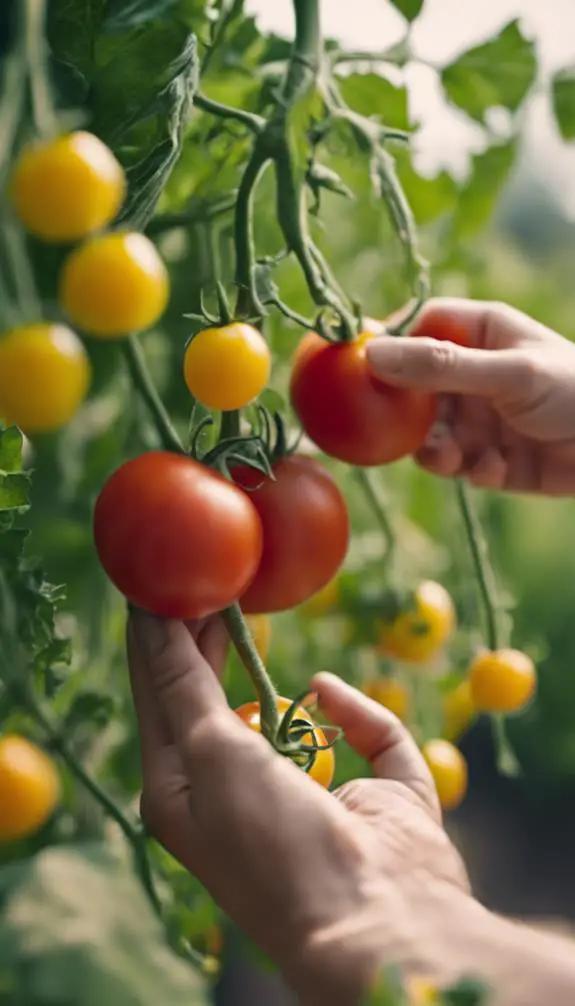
{"points": [[323, 768], [174, 537], [305, 532], [347, 411]]}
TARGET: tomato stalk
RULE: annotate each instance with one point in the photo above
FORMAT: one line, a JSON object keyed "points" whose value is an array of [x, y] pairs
{"points": [[363, 478], [27, 299], [143, 383], [36, 56], [479, 555], [267, 696]]}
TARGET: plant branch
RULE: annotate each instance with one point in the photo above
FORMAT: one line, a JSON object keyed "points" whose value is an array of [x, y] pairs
{"points": [[242, 639], [202, 213], [222, 26], [304, 63], [363, 479], [479, 555], [144, 385], [248, 302], [254, 122], [36, 56]]}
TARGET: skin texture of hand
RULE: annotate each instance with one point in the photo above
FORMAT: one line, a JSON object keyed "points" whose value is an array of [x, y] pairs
{"points": [[330, 888], [506, 416]]}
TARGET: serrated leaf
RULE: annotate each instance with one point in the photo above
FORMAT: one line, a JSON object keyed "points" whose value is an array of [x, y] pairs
{"points": [[479, 195], [563, 96], [122, 14], [14, 491], [11, 445], [12, 544], [409, 8], [371, 94], [429, 198], [498, 73]]}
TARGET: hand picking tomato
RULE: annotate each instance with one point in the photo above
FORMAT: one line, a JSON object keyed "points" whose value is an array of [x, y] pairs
{"points": [[449, 770], [226, 368], [44, 376], [29, 788], [64, 189], [347, 411], [305, 532], [418, 633], [174, 537], [502, 681], [323, 768], [260, 627], [391, 693], [114, 284]]}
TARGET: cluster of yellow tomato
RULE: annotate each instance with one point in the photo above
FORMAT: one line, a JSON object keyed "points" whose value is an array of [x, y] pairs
{"points": [[501, 681], [29, 788], [67, 190]]}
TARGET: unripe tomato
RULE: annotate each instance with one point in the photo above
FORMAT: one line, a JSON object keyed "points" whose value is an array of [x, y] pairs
{"points": [[458, 711], [44, 376], [64, 189], [261, 629], [114, 284], [391, 693], [175, 537], [323, 602], [449, 770], [417, 634], [306, 532], [347, 411], [502, 681], [29, 788], [323, 768], [226, 368]]}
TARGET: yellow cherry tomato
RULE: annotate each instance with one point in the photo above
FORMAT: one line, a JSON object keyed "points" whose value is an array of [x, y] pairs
{"points": [[64, 189], [44, 376], [323, 602], [29, 788], [458, 711], [417, 634], [226, 368], [323, 768], [391, 693], [114, 284], [502, 681], [261, 629], [421, 992], [449, 770]]}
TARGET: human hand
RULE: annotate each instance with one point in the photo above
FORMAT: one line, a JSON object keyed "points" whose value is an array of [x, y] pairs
{"points": [[331, 887], [506, 417]]}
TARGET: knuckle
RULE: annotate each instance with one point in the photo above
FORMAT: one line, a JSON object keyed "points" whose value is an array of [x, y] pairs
{"points": [[528, 370], [441, 358]]}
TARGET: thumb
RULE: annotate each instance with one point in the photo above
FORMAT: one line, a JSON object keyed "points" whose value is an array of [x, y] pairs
{"points": [[431, 365]]}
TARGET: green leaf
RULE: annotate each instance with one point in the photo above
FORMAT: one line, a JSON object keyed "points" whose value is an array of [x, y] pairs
{"points": [[409, 8], [373, 95], [122, 14], [429, 198], [77, 930], [563, 97], [11, 444], [498, 73], [479, 195], [14, 489], [466, 992]]}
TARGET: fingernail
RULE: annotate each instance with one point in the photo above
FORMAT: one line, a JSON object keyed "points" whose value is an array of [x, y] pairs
{"points": [[385, 354], [151, 632]]}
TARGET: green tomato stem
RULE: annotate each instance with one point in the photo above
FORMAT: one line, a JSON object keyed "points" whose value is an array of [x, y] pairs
{"points": [[248, 302], [480, 558], [144, 385], [11, 106], [36, 56], [363, 478], [267, 696], [230, 425], [27, 299], [254, 122]]}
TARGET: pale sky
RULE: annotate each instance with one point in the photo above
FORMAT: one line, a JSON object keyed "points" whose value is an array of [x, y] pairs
{"points": [[445, 28]]}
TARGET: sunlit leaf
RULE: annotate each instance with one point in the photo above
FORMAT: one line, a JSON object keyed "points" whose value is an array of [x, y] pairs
{"points": [[563, 93]]}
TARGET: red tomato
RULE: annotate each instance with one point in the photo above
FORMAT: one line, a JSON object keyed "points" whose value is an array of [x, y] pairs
{"points": [[435, 324], [174, 537], [347, 411], [306, 532]]}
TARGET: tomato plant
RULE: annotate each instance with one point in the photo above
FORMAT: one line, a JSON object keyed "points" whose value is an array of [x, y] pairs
{"points": [[305, 532], [149, 529], [115, 284], [323, 767], [64, 189], [449, 771], [29, 788], [226, 368], [347, 411], [44, 376], [502, 681]]}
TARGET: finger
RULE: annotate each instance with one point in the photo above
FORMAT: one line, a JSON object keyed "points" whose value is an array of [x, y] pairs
{"points": [[376, 735], [490, 471], [440, 454], [213, 642], [480, 324], [429, 365]]}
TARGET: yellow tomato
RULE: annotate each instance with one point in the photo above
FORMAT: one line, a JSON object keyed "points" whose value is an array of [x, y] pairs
{"points": [[502, 681], [421, 992], [64, 189], [323, 769], [44, 376], [114, 284], [323, 602], [458, 711], [391, 693], [261, 630], [29, 788], [225, 368], [417, 634], [449, 770]]}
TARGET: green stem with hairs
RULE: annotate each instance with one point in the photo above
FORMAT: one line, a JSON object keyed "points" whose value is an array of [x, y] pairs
{"points": [[143, 383], [364, 480], [36, 56], [267, 697], [255, 123], [479, 556]]}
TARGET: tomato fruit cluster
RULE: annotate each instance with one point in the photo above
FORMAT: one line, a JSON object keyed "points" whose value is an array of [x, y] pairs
{"points": [[323, 767], [29, 788]]}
